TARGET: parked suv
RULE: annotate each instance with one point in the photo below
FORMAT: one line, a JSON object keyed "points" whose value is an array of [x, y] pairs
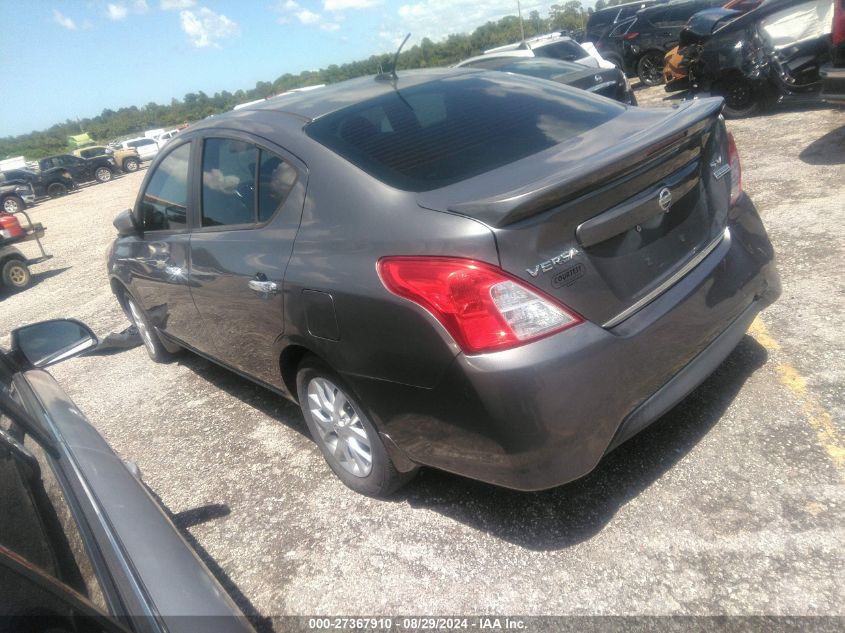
{"points": [[654, 32], [99, 168], [477, 271], [601, 22], [147, 148], [127, 159]]}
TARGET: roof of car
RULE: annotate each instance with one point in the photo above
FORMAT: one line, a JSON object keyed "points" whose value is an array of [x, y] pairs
{"points": [[512, 54], [321, 101]]}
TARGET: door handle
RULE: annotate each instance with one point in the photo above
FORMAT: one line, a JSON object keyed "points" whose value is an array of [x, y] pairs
{"points": [[265, 288]]}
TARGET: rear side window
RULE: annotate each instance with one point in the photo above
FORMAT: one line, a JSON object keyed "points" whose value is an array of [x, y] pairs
{"points": [[565, 50], [482, 121], [164, 205], [242, 184]]}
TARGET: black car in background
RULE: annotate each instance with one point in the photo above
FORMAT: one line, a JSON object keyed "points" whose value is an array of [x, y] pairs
{"points": [[833, 74], [607, 82], [602, 22], [652, 33], [471, 270], [98, 168], [84, 545], [53, 182]]}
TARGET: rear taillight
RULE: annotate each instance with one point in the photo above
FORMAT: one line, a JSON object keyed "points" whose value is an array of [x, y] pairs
{"points": [[838, 32], [736, 169], [630, 36], [482, 307], [9, 226]]}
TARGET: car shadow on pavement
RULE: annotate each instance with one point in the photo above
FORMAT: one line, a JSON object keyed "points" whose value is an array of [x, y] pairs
{"points": [[270, 404], [570, 514], [827, 150]]}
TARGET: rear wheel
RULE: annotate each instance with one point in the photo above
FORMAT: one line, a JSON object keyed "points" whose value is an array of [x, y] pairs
{"points": [[152, 343], [56, 190], [650, 68], [131, 164], [348, 440], [103, 174], [13, 204], [741, 99], [16, 274]]}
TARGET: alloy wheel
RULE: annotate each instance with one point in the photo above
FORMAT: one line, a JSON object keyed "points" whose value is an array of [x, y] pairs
{"points": [[340, 427]]}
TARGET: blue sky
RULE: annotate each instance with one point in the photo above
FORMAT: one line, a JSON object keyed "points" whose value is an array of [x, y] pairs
{"points": [[72, 58]]}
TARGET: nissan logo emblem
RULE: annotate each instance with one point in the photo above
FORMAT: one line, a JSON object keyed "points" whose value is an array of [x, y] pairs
{"points": [[664, 198]]}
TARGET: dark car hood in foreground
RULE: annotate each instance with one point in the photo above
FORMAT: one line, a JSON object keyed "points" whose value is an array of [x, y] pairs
{"points": [[145, 553]]}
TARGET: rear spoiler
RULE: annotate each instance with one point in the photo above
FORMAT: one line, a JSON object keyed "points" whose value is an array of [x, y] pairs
{"points": [[646, 146]]}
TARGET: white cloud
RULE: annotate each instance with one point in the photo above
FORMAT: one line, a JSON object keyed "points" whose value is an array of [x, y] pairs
{"points": [[117, 11], [140, 6], [174, 5], [308, 17], [343, 5], [205, 27], [330, 26], [64, 21], [436, 19]]}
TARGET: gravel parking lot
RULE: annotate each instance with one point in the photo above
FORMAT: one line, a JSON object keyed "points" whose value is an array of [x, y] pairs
{"points": [[734, 503]]}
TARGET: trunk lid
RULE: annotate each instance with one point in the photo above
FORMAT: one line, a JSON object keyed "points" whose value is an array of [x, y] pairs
{"points": [[587, 222], [607, 82]]}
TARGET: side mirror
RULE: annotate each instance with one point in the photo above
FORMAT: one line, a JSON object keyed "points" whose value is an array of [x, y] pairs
{"points": [[49, 342], [125, 224]]}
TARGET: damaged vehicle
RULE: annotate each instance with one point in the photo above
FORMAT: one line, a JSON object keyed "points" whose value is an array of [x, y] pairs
{"points": [[768, 55], [476, 271]]}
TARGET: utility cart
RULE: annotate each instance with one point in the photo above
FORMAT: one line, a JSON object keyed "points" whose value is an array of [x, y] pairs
{"points": [[14, 265]]}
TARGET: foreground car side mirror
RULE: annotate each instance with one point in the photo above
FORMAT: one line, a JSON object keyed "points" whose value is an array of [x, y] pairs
{"points": [[125, 224], [49, 342]]}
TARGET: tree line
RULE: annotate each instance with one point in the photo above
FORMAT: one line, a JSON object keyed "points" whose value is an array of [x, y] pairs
{"points": [[132, 120]]}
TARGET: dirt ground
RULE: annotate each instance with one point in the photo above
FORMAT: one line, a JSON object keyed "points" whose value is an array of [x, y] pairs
{"points": [[734, 503]]}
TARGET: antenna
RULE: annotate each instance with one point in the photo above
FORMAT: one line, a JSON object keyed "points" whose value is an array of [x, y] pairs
{"points": [[521, 26], [382, 75]]}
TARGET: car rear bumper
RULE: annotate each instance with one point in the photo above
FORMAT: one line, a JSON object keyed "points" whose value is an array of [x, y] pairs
{"points": [[545, 413], [833, 83]]}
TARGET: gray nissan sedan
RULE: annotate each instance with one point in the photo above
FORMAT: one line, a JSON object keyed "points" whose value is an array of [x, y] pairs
{"points": [[491, 274]]}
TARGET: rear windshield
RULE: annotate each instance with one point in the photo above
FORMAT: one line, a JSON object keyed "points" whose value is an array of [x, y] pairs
{"points": [[566, 50], [442, 132]]}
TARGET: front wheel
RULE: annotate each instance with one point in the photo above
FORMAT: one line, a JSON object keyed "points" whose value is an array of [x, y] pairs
{"points": [[650, 68], [348, 440], [13, 204], [103, 174], [16, 274], [741, 100], [131, 164], [152, 343]]}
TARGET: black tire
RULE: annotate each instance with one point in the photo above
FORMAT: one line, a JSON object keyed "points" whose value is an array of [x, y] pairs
{"points": [[382, 478], [131, 164], [13, 204], [103, 174], [56, 190], [16, 274], [149, 336], [741, 99], [650, 68]]}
